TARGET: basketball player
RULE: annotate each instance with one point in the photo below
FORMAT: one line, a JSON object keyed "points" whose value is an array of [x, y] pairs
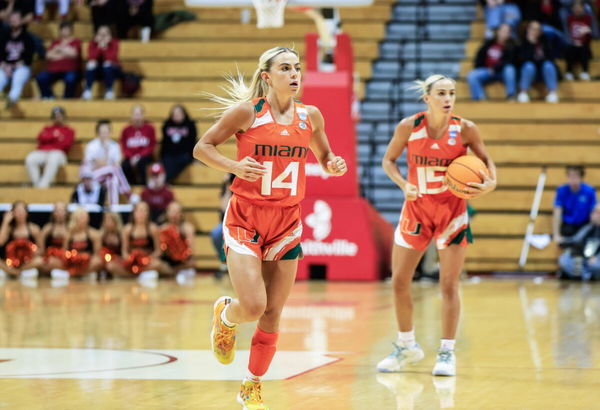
{"points": [[432, 140], [262, 225]]}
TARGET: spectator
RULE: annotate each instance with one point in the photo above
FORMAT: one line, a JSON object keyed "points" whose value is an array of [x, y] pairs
{"points": [[535, 56], [177, 245], [217, 232], [27, 9], [495, 62], [157, 194], [103, 13], [573, 204], [580, 36], [544, 11], [498, 12], [19, 243], [63, 8], [64, 61], [179, 139], [54, 143], [103, 156], [132, 13], [88, 191], [138, 141], [582, 257], [567, 8], [103, 60], [16, 55]]}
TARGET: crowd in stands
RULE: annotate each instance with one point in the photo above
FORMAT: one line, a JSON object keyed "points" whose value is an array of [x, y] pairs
{"points": [[63, 59], [68, 246], [576, 227], [523, 41]]}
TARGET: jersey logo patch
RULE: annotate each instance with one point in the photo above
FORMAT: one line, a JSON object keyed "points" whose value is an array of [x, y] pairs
{"points": [[435, 146], [285, 132]]}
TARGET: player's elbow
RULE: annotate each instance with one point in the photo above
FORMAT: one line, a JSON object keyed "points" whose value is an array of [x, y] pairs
{"points": [[199, 151]]}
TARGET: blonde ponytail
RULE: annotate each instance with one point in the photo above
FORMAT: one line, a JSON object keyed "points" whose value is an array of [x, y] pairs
{"points": [[236, 89], [423, 88]]}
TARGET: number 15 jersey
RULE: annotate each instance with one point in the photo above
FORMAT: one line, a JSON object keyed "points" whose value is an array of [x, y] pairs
{"points": [[282, 149], [429, 158]]}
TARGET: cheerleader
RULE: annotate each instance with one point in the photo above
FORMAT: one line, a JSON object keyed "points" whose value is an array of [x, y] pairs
{"points": [[53, 238], [111, 246], [19, 244], [177, 244]]}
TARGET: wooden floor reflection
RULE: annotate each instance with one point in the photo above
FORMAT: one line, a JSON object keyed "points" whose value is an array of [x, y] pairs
{"points": [[522, 345]]}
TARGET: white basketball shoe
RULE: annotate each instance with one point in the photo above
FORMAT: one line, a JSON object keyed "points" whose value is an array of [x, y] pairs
{"points": [[445, 365], [400, 358]]}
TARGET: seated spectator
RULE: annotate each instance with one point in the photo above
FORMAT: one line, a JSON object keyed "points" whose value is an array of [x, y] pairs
{"points": [[567, 8], [54, 143], [64, 61], [88, 191], [16, 56], [157, 194], [179, 139], [495, 62], [19, 244], [81, 248], [573, 204], [63, 8], [535, 56], [177, 245], [103, 156], [582, 257], [498, 12], [103, 12], [132, 13], [138, 141], [103, 60], [27, 9], [580, 36], [141, 245]]}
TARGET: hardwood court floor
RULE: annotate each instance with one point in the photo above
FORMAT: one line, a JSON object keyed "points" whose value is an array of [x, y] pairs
{"points": [[118, 345]]}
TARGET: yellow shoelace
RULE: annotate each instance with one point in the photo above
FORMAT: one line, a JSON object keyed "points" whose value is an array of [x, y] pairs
{"points": [[252, 392], [225, 337]]}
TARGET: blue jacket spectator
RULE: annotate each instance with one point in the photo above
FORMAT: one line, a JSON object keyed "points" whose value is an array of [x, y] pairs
{"points": [[582, 257], [499, 12]]}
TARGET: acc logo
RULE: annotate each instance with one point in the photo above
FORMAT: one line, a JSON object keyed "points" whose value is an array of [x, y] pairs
{"points": [[320, 220]]}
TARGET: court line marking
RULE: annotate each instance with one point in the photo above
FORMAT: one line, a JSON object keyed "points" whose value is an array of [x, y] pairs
{"points": [[531, 339]]}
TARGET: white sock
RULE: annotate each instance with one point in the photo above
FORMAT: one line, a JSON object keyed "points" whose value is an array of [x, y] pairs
{"points": [[251, 378], [447, 344], [224, 318], [407, 338]]}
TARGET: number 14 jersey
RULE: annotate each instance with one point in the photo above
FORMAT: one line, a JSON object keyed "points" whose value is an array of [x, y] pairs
{"points": [[429, 158], [282, 149]]}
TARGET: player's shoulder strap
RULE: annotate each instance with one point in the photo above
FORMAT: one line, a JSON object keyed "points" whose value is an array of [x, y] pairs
{"points": [[419, 120]]}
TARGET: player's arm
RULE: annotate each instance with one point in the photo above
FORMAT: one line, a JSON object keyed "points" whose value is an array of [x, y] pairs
{"points": [[319, 145], [233, 120], [392, 153], [472, 138]]}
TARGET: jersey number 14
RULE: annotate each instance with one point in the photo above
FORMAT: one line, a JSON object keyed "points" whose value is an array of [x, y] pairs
{"points": [[268, 182]]}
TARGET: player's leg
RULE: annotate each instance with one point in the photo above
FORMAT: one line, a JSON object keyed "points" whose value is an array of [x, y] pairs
{"points": [[451, 263], [279, 277]]}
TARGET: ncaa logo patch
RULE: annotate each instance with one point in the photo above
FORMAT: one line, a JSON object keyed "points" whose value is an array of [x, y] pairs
{"points": [[451, 142], [302, 125], [302, 116], [452, 134]]}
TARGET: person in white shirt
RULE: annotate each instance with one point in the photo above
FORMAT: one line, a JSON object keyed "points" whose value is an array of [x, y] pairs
{"points": [[103, 156]]}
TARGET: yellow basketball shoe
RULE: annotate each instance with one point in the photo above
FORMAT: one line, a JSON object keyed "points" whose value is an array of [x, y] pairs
{"points": [[250, 396], [222, 337]]}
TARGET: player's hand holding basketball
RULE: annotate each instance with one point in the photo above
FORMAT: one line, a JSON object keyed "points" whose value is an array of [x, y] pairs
{"points": [[337, 166], [477, 189], [249, 169], [410, 192]]}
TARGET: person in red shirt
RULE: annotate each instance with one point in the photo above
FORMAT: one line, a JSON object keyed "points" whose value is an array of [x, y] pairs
{"points": [[103, 59], [579, 30], [157, 193], [64, 60], [138, 141], [54, 143]]}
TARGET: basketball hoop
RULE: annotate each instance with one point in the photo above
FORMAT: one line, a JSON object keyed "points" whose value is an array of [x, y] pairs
{"points": [[269, 13]]}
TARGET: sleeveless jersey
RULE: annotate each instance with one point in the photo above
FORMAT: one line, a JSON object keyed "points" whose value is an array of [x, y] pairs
{"points": [[429, 158], [282, 149]]}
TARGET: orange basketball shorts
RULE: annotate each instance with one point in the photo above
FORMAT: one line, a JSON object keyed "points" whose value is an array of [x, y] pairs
{"points": [[269, 233], [443, 218]]}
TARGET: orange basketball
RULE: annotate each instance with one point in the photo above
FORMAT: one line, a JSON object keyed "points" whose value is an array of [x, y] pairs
{"points": [[463, 170]]}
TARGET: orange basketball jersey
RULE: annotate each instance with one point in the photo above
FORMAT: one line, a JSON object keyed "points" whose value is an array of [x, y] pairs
{"points": [[428, 158], [282, 149]]}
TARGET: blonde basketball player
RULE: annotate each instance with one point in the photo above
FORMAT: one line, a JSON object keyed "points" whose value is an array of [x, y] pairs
{"points": [[262, 225], [432, 140]]}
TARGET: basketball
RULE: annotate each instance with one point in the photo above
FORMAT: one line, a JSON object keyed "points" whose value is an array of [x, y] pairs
{"points": [[463, 170]]}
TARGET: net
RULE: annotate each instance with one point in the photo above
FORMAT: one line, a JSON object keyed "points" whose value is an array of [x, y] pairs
{"points": [[269, 13]]}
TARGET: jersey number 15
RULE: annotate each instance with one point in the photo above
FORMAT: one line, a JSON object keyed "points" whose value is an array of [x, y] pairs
{"points": [[428, 175]]}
